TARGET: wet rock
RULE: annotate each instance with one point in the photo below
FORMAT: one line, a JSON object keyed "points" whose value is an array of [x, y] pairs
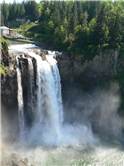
{"points": [[43, 55]]}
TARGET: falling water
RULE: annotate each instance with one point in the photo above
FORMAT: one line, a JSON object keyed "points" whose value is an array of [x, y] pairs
{"points": [[48, 108], [45, 100], [20, 101], [48, 111], [57, 80], [31, 78]]}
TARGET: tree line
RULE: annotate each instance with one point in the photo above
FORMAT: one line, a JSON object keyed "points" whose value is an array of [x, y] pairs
{"points": [[81, 27], [11, 11]]}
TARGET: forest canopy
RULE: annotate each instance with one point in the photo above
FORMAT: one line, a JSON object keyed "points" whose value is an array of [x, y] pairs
{"points": [[81, 27]]}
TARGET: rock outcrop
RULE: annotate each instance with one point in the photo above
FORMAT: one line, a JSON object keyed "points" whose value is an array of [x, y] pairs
{"points": [[101, 67]]}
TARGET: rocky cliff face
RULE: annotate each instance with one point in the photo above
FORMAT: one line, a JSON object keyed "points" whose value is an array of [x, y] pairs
{"points": [[9, 81], [101, 67], [92, 92], [9, 101], [72, 70], [9, 84]]}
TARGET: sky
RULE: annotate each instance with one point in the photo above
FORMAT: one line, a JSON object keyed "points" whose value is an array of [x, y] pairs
{"points": [[11, 1]]}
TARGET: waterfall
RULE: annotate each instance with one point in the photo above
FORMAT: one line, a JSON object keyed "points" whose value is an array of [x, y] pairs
{"points": [[20, 100], [57, 81], [49, 103], [45, 87], [31, 80], [40, 108]]}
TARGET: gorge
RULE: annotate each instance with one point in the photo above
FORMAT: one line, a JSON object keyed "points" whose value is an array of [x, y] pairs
{"points": [[62, 83], [35, 116]]}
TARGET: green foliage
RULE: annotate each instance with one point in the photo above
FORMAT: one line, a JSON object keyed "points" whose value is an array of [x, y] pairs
{"points": [[31, 10], [4, 51], [4, 13], [80, 27], [116, 25], [24, 29], [4, 45], [3, 70], [11, 13], [101, 28]]}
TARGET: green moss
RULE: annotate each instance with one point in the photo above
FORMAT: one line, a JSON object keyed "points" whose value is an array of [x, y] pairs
{"points": [[4, 45], [3, 41], [3, 70]]}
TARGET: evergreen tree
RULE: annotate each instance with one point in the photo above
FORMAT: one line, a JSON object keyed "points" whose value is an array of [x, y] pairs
{"points": [[78, 26], [75, 14], [101, 28], [5, 12], [32, 11], [115, 26]]}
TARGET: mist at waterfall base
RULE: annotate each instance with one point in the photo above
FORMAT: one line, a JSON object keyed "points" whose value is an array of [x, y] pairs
{"points": [[98, 109], [84, 117], [71, 124]]}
